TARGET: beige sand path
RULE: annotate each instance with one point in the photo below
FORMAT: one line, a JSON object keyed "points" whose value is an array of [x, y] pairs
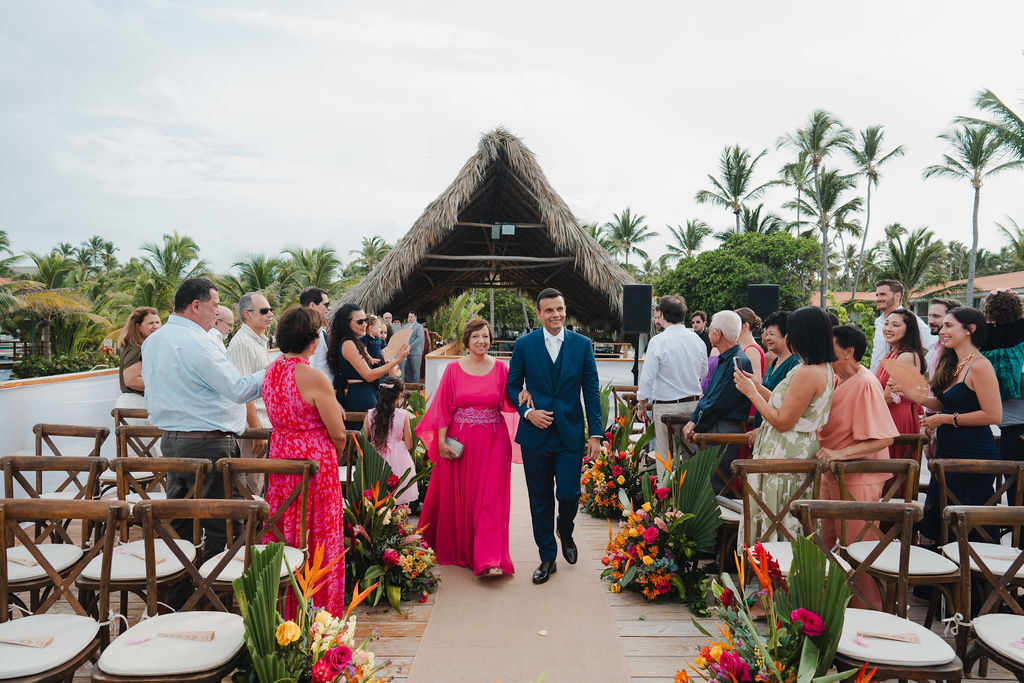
{"points": [[482, 631]]}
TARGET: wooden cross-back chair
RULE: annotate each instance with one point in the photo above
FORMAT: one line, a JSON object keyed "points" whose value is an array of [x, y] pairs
{"points": [[730, 480], [73, 638], [136, 441], [918, 441], [676, 444], [45, 433], [990, 594], [137, 655], [138, 479], [140, 443], [302, 470], [903, 483], [1008, 474], [900, 648], [350, 455]]}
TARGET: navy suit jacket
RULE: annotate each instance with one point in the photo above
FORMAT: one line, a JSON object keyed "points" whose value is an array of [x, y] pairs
{"points": [[556, 387]]}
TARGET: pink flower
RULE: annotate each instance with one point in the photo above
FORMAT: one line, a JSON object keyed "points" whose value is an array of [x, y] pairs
{"points": [[323, 672], [392, 481], [651, 534], [660, 523], [424, 596], [662, 493], [391, 557], [338, 657], [726, 598], [734, 665], [812, 623], [368, 494]]}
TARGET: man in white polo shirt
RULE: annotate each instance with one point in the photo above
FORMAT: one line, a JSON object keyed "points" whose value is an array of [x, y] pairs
{"points": [[675, 361]]}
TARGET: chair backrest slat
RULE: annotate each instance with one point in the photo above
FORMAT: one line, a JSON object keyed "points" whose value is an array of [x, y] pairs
{"points": [[1008, 476], [230, 468], [808, 487]]}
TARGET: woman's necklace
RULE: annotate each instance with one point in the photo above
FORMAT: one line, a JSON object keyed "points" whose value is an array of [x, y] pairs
{"points": [[963, 364]]}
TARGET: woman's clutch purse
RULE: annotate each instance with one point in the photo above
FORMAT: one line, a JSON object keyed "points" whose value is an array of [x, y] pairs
{"points": [[455, 447]]}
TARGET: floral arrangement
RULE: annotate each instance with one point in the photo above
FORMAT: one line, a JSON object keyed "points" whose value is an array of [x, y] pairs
{"points": [[804, 621], [417, 405], [656, 550], [618, 472], [317, 646], [384, 549]]}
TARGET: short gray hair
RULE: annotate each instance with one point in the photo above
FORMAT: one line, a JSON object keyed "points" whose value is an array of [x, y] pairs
{"points": [[728, 323], [245, 304]]}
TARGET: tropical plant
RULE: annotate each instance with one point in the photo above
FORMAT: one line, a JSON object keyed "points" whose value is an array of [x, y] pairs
{"points": [[1015, 234], [6, 261], [598, 234], [867, 156], [822, 135], [625, 231], [916, 261], [449, 320], [166, 265], [686, 241], [52, 270], [835, 207], [371, 252], [733, 187], [1007, 125], [753, 221], [797, 174], [312, 268], [977, 153]]}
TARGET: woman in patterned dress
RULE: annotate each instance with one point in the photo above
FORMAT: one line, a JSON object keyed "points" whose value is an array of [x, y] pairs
{"points": [[793, 413], [308, 424]]}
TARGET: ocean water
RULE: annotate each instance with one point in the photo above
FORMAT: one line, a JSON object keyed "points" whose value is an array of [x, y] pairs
{"points": [[5, 375]]}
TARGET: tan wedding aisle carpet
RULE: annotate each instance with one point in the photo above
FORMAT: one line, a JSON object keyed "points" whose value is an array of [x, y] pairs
{"points": [[509, 630]]}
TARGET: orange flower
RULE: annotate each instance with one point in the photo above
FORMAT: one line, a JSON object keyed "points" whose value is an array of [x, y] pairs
{"points": [[724, 630], [863, 677], [760, 567], [311, 573], [358, 597], [739, 570]]}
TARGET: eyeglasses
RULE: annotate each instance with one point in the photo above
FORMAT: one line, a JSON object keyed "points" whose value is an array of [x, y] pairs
{"points": [[261, 311], [362, 321], [325, 303]]}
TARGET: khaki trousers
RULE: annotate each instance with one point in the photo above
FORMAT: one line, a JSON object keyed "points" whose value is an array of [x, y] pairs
{"points": [[661, 432]]}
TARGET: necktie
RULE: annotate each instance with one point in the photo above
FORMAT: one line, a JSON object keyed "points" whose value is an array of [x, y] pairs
{"points": [[554, 344]]}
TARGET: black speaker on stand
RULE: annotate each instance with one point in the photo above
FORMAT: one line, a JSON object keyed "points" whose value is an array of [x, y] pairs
{"points": [[636, 318], [763, 299]]}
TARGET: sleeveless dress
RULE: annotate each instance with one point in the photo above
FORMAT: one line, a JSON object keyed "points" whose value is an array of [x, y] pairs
{"points": [[753, 418], [906, 414], [466, 510], [299, 433], [396, 453], [974, 443], [354, 394], [799, 442]]}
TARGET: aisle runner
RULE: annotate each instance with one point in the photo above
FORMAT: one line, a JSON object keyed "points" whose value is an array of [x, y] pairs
{"points": [[484, 631]]}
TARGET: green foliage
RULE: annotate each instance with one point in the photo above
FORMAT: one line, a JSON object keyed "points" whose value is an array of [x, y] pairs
{"points": [[860, 314], [718, 279], [256, 592], [451, 319], [37, 366], [690, 483]]}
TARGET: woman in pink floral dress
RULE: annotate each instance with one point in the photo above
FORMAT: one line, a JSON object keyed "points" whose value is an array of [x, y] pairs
{"points": [[308, 424]]}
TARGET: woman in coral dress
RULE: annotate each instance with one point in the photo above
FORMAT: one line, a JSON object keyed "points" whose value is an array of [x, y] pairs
{"points": [[466, 509], [903, 337], [308, 424]]}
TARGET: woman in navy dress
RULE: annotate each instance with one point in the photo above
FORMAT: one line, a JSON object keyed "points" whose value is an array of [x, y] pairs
{"points": [[965, 396]]}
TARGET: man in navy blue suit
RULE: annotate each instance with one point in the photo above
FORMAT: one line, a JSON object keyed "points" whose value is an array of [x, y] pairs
{"points": [[557, 365]]}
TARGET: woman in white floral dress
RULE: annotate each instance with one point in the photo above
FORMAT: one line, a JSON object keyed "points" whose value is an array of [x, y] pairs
{"points": [[793, 413]]}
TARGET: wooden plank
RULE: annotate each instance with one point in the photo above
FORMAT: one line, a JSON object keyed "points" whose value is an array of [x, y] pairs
{"points": [[671, 629], [654, 666], [660, 647]]}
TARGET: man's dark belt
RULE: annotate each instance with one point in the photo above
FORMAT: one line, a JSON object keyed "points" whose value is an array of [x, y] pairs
{"points": [[678, 400], [212, 434]]}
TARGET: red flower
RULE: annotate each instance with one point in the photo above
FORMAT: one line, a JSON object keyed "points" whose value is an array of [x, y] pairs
{"points": [[392, 481], [616, 470], [323, 672], [662, 493], [390, 557], [368, 494], [622, 455], [605, 561], [651, 534], [424, 596], [654, 480], [727, 598], [734, 665], [812, 623], [338, 656]]}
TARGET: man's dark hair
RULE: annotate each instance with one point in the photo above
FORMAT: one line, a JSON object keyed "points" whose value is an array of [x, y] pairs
{"points": [[311, 295], [778, 320], [1003, 308], [950, 304], [810, 335], [702, 314], [850, 337], [548, 293], [894, 285], [296, 330], [673, 308], [192, 289]]}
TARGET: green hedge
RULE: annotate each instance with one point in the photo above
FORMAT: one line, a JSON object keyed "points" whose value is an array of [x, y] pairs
{"points": [[38, 366]]}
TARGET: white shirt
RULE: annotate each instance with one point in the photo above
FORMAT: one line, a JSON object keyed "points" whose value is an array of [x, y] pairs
{"points": [[319, 359], [675, 361], [249, 352], [931, 359], [553, 342], [215, 333], [880, 348]]}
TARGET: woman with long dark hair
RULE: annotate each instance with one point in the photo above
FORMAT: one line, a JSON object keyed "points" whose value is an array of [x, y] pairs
{"points": [[388, 428], [904, 340], [355, 381], [965, 398], [143, 322]]}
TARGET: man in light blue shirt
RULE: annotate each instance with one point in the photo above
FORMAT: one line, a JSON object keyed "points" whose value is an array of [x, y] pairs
{"points": [[196, 396]]}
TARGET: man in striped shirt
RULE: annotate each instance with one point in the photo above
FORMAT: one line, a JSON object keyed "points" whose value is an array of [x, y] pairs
{"points": [[249, 352]]}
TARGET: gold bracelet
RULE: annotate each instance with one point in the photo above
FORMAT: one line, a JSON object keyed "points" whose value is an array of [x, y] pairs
{"points": [[955, 423]]}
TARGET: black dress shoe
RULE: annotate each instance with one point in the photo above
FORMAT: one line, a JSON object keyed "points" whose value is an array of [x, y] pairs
{"points": [[569, 551], [544, 572]]}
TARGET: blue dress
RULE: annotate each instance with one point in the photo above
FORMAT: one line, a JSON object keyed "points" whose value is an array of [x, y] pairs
{"points": [[354, 394], [974, 443]]}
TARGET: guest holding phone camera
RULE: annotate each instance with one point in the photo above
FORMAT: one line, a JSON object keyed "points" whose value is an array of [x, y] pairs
{"points": [[466, 509]]}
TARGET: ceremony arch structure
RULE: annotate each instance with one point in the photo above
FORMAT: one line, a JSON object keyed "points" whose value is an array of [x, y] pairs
{"points": [[499, 224]]}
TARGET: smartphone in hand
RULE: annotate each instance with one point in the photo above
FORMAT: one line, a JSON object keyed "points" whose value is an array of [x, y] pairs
{"points": [[736, 362]]}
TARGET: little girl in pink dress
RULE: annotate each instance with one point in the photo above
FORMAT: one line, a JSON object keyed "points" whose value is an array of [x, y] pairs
{"points": [[387, 428]]}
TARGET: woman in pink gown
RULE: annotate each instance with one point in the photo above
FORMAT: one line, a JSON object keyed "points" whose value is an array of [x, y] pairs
{"points": [[308, 424], [466, 509]]}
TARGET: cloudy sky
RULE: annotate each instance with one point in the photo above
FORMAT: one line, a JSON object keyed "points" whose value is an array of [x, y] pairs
{"points": [[255, 126]]}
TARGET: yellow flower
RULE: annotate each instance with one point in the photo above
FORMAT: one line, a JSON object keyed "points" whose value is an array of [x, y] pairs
{"points": [[700, 662], [648, 560], [646, 507], [615, 588], [621, 479], [288, 633], [716, 652], [323, 617]]}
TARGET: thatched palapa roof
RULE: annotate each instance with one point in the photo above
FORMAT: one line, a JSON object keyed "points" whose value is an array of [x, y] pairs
{"points": [[459, 243]]}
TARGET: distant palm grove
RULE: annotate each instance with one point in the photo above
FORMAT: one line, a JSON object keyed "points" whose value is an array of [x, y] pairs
{"points": [[817, 240]]}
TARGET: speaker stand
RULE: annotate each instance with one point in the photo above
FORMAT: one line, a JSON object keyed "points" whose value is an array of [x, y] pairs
{"points": [[636, 359]]}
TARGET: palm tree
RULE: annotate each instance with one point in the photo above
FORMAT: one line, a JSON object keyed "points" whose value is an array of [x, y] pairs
{"points": [[312, 267], [65, 249], [259, 273], [167, 264], [6, 261], [107, 256], [867, 156], [52, 269], [823, 135], [687, 240], [1015, 234], [598, 234], [913, 262], [797, 174], [831, 209], [752, 221], [732, 187], [977, 153], [625, 232], [1007, 125], [371, 252], [957, 256]]}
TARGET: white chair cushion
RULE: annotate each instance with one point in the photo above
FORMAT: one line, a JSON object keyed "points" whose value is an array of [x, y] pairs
{"points": [[129, 561], [1007, 538], [783, 554], [1000, 632], [71, 634], [234, 570], [997, 558], [729, 516], [930, 650], [922, 562], [66, 494], [60, 555], [111, 476], [141, 651]]}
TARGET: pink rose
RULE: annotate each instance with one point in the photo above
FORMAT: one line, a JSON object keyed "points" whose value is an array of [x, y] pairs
{"points": [[662, 493], [812, 623], [734, 665], [338, 657], [391, 557], [651, 534]]}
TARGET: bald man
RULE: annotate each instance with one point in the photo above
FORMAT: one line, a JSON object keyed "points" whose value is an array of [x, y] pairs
{"points": [[222, 324]]}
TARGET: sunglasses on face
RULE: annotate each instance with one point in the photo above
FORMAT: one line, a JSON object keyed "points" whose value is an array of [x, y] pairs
{"points": [[262, 311], [362, 321]]}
